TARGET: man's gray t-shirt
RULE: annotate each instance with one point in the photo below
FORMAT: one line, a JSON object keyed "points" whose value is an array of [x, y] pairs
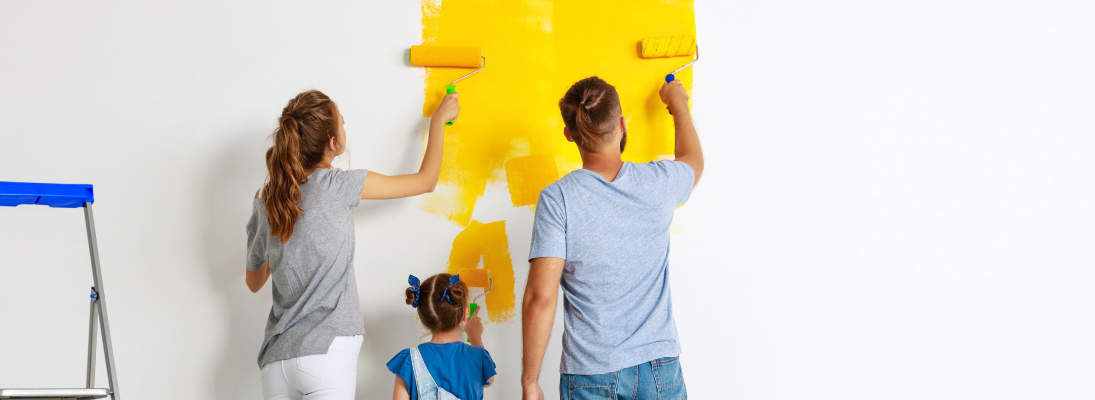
{"points": [[614, 237], [312, 274]]}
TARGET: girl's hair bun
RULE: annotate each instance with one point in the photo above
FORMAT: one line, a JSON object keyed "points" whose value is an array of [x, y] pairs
{"points": [[436, 313]]}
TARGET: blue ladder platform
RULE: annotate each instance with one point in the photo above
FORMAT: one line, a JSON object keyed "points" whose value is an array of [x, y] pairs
{"points": [[47, 194]]}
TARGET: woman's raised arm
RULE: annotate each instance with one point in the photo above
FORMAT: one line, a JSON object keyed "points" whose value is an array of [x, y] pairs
{"points": [[380, 186]]}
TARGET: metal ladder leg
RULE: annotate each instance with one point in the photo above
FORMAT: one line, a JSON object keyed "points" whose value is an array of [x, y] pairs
{"points": [[91, 341], [100, 302]]}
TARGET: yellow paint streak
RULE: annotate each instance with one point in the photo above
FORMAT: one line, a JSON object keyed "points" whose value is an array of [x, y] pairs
{"points": [[528, 175], [535, 50], [489, 243]]}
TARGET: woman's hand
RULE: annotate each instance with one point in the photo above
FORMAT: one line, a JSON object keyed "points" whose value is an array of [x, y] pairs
{"points": [[448, 109], [380, 186]]}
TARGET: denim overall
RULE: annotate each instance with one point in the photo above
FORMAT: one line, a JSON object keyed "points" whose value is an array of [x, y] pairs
{"points": [[423, 381]]}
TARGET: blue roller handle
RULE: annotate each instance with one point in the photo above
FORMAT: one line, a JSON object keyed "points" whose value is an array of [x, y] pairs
{"points": [[46, 194], [669, 78]]}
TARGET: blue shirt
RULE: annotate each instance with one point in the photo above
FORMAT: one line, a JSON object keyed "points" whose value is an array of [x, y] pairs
{"points": [[460, 368], [614, 237]]}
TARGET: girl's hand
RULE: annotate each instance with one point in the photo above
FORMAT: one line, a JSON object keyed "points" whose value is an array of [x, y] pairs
{"points": [[474, 327], [448, 109], [674, 96]]}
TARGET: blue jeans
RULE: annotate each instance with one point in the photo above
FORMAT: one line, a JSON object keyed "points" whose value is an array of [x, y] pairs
{"points": [[660, 379]]}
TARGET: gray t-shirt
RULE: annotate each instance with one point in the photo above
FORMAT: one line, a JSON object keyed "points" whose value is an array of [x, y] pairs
{"points": [[614, 237], [312, 274]]}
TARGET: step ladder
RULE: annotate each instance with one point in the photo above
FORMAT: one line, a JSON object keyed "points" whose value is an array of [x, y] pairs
{"points": [[70, 196]]}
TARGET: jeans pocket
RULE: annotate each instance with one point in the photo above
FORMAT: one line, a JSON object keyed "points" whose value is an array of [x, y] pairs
{"points": [[590, 387], [667, 375], [318, 366]]}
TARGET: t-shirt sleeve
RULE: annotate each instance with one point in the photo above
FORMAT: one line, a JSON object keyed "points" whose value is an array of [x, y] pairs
{"points": [[349, 185], [258, 231], [549, 227], [489, 368], [681, 179], [400, 365]]}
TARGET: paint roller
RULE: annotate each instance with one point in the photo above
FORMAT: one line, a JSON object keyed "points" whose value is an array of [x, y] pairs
{"points": [[476, 278], [671, 46], [450, 57]]}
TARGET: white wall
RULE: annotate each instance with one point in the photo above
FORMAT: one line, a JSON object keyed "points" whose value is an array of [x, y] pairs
{"points": [[899, 199]]}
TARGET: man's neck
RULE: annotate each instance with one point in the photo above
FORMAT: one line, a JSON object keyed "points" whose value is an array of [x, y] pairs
{"points": [[604, 163]]}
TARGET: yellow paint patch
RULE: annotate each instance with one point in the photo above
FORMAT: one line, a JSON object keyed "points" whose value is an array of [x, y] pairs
{"points": [[535, 50], [479, 278], [487, 242], [528, 175]]}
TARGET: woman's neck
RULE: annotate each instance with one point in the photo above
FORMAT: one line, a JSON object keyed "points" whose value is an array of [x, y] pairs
{"points": [[446, 337], [325, 164]]}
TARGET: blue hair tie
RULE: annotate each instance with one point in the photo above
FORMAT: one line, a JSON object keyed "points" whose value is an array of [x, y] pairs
{"points": [[452, 281], [413, 281]]}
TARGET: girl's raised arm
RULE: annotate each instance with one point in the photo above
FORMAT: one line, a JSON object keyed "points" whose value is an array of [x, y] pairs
{"points": [[379, 186]]}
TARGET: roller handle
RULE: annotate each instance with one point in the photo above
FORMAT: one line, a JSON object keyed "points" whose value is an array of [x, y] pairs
{"points": [[473, 306], [448, 90], [669, 78]]}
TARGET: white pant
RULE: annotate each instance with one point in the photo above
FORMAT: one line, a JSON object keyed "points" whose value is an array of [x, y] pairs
{"points": [[331, 376]]}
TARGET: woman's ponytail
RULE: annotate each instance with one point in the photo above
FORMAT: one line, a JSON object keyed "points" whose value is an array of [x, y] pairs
{"points": [[306, 125]]}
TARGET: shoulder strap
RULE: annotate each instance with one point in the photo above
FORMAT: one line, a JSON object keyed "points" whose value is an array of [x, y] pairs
{"points": [[423, 381]]}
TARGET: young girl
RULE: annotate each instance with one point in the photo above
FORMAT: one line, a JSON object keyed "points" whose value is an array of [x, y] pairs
{"points": [[445, 361], [301, 234]]}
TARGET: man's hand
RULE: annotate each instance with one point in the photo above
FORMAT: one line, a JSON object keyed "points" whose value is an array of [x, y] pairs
{"points": [[674, 97], [537, 316], [533, 392], [686, 141]]}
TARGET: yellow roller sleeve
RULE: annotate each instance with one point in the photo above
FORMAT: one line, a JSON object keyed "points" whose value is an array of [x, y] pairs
{"points": [[445, 56], [669, 46], [475, 278]]}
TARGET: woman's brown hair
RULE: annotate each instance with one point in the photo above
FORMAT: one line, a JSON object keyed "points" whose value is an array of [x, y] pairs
{"points": [[306, 125], [591, 112], [437, 313]]}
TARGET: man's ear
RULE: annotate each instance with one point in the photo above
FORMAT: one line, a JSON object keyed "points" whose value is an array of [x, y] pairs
{"points": [[566, 132], [623, 124]]}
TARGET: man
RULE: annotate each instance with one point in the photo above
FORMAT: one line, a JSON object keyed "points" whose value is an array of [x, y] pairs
{"points": [[602, 232]]}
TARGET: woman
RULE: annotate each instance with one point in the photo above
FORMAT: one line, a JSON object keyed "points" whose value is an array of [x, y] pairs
{"points": [[301, 234]]}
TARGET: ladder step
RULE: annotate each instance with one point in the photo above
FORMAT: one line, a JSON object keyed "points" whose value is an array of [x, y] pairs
{"points": [[53, 394]]}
